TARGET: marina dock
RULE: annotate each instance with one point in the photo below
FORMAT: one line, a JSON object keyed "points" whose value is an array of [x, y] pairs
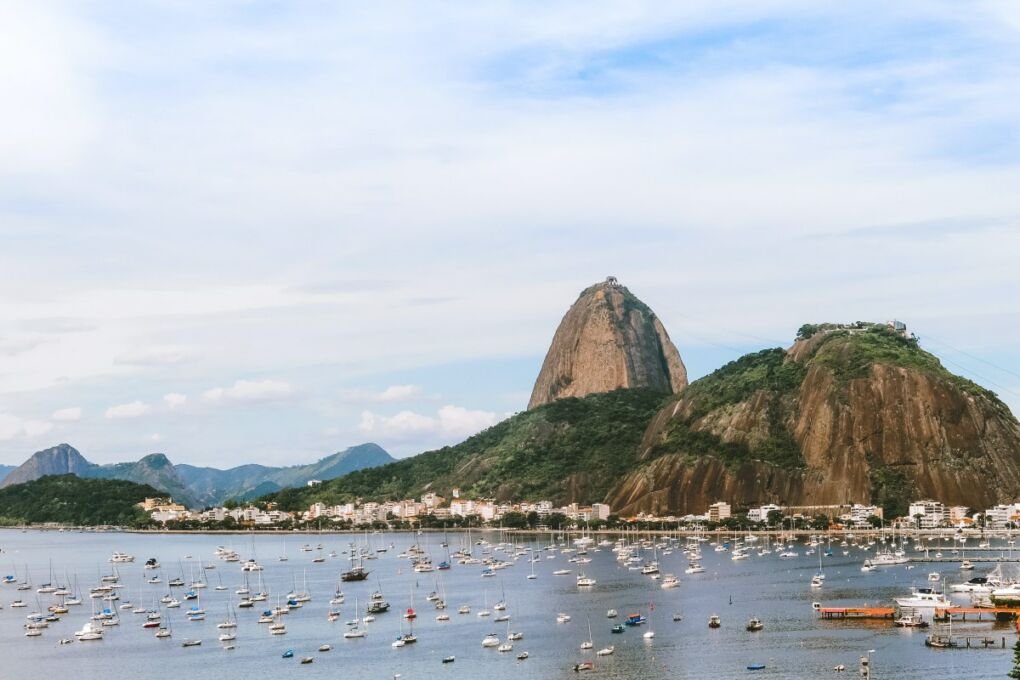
{"points": [[857, 612], [978, 613]]}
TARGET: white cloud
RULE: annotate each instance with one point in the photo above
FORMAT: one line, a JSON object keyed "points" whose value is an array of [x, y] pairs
{"points": [[175, 399], [250, 390], [12, 427], [457, 421], [398, 393], [130, 410], [156, 356], [67, 415], [390, 394], [450, 422], [34, 428], [155, 437]]}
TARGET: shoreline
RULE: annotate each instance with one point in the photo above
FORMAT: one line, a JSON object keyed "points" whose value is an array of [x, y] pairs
{"points": [[770, 533]]}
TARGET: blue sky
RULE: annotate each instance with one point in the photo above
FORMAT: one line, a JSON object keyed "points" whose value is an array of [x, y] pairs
{"points": [[262, 232]]}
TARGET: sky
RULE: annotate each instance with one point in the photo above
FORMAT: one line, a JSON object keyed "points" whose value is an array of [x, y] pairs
{"points": [[265, 231]]}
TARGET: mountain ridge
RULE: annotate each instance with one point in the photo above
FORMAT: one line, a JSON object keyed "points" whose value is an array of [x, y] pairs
{"points": [[191, 485]]}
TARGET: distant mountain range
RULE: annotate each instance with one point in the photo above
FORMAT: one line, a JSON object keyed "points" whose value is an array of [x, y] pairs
{"points": [[190, 485]]}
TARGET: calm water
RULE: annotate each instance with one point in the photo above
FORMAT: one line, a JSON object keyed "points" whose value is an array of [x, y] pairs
{"points": [[794, 644]]}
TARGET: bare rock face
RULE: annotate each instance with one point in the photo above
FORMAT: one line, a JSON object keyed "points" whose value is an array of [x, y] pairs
{"points": [[58, 460], [836, 419], [608, 340]]}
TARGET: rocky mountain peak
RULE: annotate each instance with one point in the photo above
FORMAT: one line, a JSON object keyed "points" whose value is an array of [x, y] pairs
{"points": [[608, 339]]}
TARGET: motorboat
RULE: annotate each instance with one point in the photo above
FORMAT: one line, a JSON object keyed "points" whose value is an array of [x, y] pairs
{"points": [[714, 621], [754, 624], [925, 598]]}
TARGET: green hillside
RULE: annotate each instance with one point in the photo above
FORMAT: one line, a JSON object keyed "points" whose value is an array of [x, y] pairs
{"points": [[568, 450], [68, 499]]}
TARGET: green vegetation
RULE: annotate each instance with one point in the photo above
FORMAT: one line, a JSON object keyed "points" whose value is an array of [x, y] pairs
{"points": [[891, 490], [67, 499], [769, 369], [569, 450], [850, 354]]}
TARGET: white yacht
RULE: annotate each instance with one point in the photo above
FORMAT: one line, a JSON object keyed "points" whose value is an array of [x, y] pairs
{"points": [[925, 598]]}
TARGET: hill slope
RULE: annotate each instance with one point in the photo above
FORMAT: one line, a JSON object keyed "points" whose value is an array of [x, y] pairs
{"points": [[69, 499], [847, 414], [568, 450], [248, 481], [608, 340]]}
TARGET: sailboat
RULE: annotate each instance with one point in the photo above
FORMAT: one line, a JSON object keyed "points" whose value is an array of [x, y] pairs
{"points": [[589, 643], [356, 572], [230, 621], [650, 633], [354, 628], [532, 576], [818, 580]]}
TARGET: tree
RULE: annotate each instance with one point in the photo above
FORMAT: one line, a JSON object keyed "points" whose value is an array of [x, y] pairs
{"points": [[1015, 673], [774, 517], [556, 520], [875, 521], [820, 522], [533, 519], [514, 520]]}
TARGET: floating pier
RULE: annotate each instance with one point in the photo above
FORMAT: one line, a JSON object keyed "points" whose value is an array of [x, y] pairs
{"points": [[857, 612], [978, 613]]}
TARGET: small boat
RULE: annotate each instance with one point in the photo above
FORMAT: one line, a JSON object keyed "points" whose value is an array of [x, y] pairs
{"points": [[490, 640], [714, 621], [755, 624], [755, 666], [562, 618], [618, 628], [325, 648], [307, 659], [449, 659], [191, 643], [288, 654], [612, 614], [966, 565], [678, 617], [913, 620], [584, 666], [522, 656]]}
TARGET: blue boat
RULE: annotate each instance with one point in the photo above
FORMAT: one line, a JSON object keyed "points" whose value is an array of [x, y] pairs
{"points": [[756, 667], [635, 620], [288, 654]]}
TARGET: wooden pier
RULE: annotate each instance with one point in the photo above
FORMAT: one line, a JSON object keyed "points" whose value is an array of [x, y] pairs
{"points": [[971, 558], [857, 612], [978, 613], [968, 642]]}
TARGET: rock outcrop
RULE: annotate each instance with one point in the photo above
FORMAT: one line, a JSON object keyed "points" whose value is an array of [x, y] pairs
{"points": [[608, 340], [848, 415], [58, 460]]}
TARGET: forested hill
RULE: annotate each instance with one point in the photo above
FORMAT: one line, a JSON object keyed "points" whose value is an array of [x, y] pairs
{"points": [[73, 500]]}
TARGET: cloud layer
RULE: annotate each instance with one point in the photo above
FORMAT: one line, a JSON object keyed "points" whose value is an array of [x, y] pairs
{"points": [[411, 233]]}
